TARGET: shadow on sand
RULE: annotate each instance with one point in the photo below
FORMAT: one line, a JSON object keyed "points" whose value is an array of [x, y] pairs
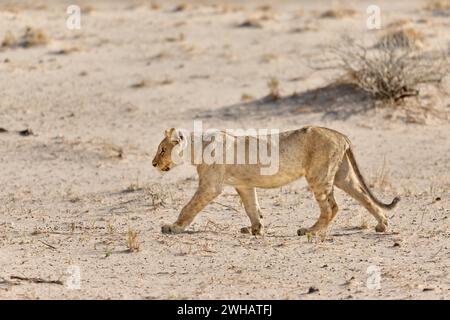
{"points": [[335, 101]]}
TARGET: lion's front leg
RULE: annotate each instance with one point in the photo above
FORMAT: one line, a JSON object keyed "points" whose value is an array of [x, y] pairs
{"points": [[201, 198]]}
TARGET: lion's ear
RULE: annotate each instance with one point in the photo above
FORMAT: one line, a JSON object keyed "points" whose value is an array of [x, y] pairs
{"points": [[177, 137], [174, 135], [169, 132]]}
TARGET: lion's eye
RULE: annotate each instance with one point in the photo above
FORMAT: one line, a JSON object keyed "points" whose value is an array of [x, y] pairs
{"points": [[163, 150]]}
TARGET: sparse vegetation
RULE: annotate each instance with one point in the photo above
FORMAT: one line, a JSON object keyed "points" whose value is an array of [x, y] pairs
{"points": [[403, 38], [155, 6], [180, 7], [246, 97], [31, 38], [364, 224], [133, 244], [381, 180], [388, 71], [438, 6], [264, 7], [140, 84], [158, 195], [250, 23], [274, 88], [147, 83], [108, 253], [133, 188], [338, 13], [9, 40]]}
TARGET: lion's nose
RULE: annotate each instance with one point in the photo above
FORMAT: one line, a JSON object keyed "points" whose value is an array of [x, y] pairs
{"points": [[154, 163]]}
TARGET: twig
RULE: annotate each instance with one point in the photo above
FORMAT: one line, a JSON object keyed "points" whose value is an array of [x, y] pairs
{"points": [[37, 280], [48, 245]]}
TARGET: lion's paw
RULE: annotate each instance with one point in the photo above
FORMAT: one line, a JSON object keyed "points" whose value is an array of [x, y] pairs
{"points": [[302, 231], [256, 230], [381, 227], [171, 229]]}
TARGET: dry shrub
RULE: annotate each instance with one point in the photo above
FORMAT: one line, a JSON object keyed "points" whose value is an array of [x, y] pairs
{"points": [[338, 13], [409, 38], [31, 38], [438, 5], [388, 72]]}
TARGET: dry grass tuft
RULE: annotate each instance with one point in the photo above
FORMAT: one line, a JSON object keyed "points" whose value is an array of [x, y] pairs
{"points": [[364, 225], [381, 180], [9, 40], [246, 97], [338, 13], [158, 195], [133, 244], [133, 188], [274, 88], [154, 6]]}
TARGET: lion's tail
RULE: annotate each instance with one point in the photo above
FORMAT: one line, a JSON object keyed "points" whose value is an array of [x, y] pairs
{"points": [[389, 206]]}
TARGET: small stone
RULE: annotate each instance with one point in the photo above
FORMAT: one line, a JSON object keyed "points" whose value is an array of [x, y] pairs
{"points": [[312, 290]]}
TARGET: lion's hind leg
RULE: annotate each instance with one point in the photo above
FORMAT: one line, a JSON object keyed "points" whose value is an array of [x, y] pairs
{"points": [[320, 177], [324, 196], [347, 180]]}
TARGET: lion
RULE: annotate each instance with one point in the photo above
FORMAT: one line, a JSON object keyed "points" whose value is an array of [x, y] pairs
{"points": [[322, 155]]}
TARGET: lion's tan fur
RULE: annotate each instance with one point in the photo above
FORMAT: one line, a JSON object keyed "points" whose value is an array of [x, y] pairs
{"points": [[323, 156]]}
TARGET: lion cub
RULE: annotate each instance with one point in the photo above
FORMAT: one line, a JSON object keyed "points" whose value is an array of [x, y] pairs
{"points": [[323, 156]]}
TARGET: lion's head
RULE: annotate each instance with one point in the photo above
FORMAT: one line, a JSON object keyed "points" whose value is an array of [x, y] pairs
{"points": [[170, 150]]}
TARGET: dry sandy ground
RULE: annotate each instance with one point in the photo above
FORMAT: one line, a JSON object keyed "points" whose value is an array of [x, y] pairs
{"points": [[98, 100]]}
